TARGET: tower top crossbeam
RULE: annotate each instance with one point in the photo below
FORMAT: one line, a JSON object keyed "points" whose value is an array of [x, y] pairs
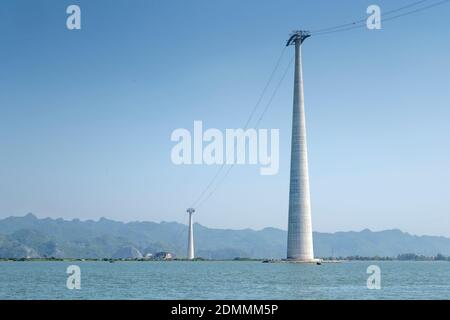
{"points": [[298, 36]]}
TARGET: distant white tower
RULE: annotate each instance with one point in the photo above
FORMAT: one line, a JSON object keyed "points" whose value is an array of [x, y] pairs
{"points": [[190, 253], [300, 240]]}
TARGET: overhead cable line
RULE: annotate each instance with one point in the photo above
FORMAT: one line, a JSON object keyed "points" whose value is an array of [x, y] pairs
{"points": [[227, 172], [362, 23], [364, 20], [255, 108]]}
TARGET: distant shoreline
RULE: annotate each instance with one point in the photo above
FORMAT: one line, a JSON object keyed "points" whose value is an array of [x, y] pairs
{"points": [[404, 257], [30, 237]]}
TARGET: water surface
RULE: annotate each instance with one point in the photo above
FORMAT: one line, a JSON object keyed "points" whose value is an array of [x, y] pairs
{"points": [[224, 280]]}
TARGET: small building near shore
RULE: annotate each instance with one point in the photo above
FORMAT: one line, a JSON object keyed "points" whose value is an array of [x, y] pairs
{"points": [[163, 255]]}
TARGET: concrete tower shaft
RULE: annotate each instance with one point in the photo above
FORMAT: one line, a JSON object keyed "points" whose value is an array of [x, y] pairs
{"points": [[300, 240], [190, 253]]}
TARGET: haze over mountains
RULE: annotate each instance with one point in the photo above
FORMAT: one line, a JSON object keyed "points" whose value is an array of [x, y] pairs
{"points": [[29, 236]]}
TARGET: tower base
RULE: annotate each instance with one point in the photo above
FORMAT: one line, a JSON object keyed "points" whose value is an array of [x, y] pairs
{"points": [[314, 261]]}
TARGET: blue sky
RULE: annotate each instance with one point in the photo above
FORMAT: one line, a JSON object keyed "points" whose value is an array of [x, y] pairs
{"points": [[86, 115]]}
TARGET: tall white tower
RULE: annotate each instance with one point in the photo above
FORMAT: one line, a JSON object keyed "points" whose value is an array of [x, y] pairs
{"points": [[300, 240], [190, 253]]}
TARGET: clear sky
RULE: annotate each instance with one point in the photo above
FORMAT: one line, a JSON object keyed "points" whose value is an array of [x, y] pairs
{"points": [[86, 115]]}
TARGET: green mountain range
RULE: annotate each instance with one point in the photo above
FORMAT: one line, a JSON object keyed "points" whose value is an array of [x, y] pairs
{"points": [[31, 237]]}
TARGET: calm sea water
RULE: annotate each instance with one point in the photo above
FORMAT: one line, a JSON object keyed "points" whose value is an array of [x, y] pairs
{"points": [[224, 280]]}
